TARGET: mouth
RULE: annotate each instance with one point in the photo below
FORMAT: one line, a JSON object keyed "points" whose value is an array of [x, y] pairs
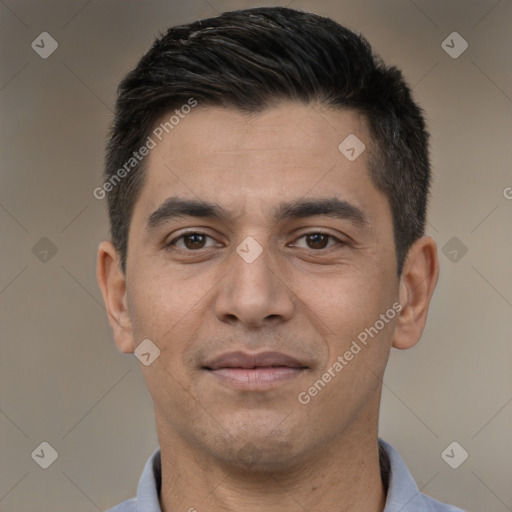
{"points": [[254, 371]]}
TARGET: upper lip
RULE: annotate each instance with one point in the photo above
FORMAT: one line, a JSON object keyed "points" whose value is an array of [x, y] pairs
{"points": [[246, 360]]}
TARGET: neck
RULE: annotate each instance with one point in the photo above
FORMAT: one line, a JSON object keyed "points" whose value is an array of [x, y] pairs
{"points": [[343, 476]]}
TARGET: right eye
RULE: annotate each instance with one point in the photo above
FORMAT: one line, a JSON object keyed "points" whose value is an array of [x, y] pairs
{"points": [[190, 241]]}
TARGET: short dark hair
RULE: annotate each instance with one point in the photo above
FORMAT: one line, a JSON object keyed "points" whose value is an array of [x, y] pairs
{"points": [[250, 60]]}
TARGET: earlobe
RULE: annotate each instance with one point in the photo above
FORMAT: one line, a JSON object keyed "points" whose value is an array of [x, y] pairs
{"points": [[112, 283], [417, 283]]}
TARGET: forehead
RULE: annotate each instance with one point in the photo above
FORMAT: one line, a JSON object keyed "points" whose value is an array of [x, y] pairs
{"points": [[250, 162], [298, 130]]}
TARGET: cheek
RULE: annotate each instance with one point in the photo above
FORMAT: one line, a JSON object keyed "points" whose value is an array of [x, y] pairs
{"points": [[158, 299], [348, 300], [347, 312], [170, 312]]}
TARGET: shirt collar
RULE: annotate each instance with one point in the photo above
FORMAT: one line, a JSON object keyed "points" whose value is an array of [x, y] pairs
{"points": [[403, 493], [150, 483]]}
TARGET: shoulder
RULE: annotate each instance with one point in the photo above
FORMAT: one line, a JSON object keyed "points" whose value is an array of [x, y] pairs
{"points": [[125, 506], [432, 505]]}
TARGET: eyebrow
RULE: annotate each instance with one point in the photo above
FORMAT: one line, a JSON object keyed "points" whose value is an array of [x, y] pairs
{"points": [[177, 207]]}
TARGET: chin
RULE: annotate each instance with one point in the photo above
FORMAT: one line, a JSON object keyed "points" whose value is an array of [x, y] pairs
{"points": [[263, 457], [260, 449]]}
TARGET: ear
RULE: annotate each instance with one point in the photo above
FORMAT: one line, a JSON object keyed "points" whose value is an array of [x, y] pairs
{"points": [[417, 283], [112, 282]]}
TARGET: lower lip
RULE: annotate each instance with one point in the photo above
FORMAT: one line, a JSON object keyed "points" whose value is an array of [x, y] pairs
{"points": [[256, 378]]}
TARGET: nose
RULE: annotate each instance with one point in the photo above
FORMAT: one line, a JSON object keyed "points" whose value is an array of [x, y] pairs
{"points": [[254, 294]]}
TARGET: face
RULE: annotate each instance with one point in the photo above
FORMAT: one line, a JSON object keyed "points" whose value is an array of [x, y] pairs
{"points": [[258, 257]]}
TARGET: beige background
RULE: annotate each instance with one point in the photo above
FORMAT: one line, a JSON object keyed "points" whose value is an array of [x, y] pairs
{"points": [[62, 380]]}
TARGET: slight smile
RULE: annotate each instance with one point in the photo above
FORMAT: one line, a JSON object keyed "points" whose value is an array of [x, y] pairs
{"points": [[260, 371]]}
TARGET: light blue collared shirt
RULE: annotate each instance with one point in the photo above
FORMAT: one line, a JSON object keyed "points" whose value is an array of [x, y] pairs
{"points": [[403, 494]]}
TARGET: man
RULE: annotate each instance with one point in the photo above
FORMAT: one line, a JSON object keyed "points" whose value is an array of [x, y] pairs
{"points": [[267, 182]]}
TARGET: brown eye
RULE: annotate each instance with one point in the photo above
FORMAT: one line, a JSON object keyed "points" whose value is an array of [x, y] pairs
{"points": [[194, 241], [190, 241], [318, 241]]}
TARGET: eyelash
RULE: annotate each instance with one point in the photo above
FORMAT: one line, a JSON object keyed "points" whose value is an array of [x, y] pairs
{"points": [[172, 243]]}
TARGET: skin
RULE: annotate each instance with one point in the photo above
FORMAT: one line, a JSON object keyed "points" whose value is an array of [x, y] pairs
{"points": [[229, 449]]}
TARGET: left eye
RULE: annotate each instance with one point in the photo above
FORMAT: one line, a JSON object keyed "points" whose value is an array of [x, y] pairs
{"points": [[317, 240]]}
